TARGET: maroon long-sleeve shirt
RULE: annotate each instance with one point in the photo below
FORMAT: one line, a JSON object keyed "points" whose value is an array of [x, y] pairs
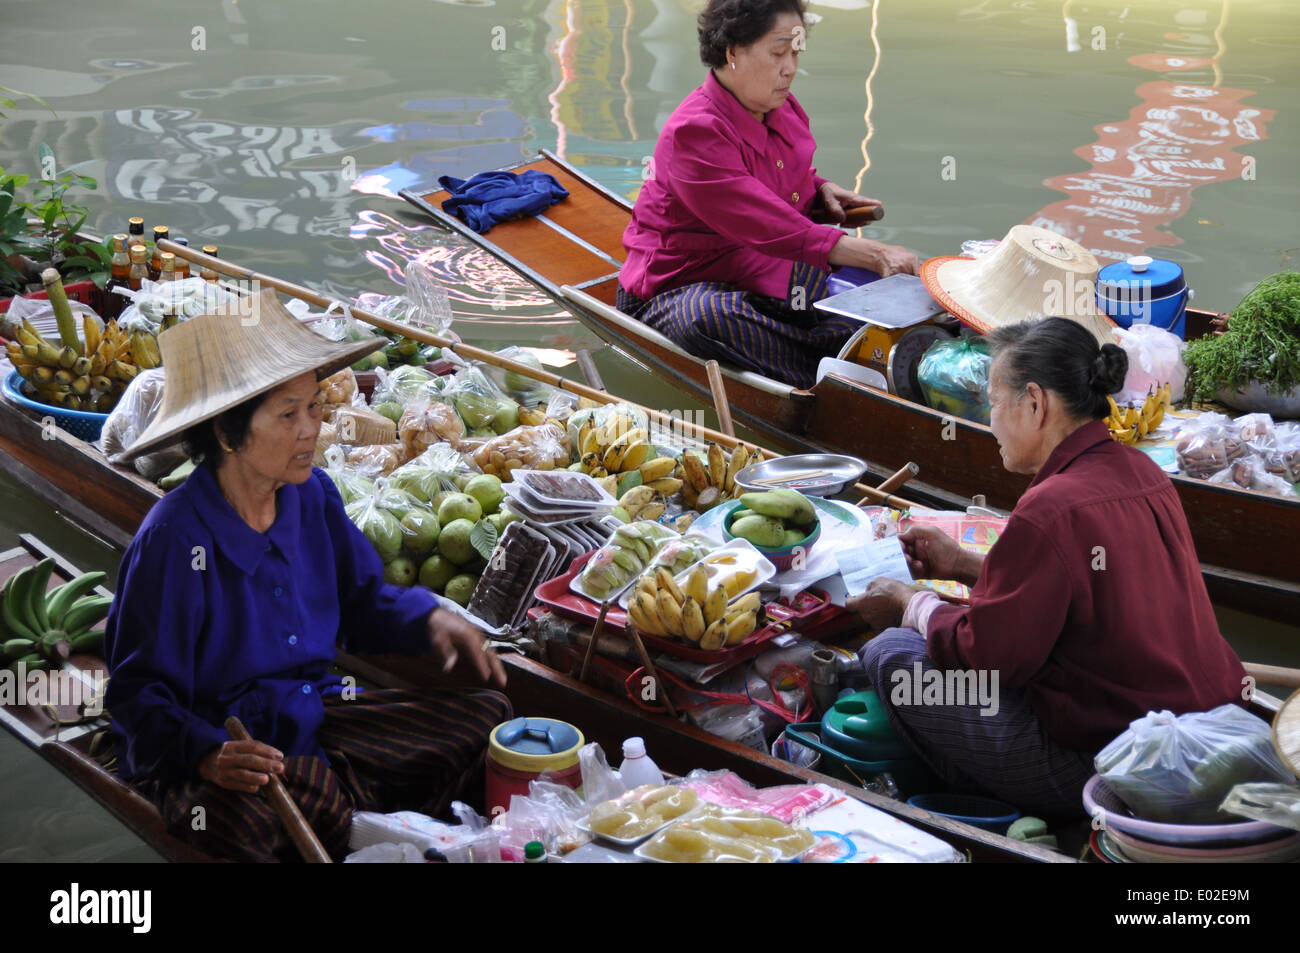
{"points": [[1092, 601]]}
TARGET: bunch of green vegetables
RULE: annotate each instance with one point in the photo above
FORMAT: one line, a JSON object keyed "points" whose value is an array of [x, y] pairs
{"points": [[1262, 343]]}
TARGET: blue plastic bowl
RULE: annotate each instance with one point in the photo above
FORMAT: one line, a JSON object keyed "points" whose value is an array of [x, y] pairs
{"points": [[981, 812], [80, 423]]}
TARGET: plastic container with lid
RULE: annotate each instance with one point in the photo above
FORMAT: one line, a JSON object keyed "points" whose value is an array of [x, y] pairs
{"points": [[637, 768], [521, 750], [1145, 290]]}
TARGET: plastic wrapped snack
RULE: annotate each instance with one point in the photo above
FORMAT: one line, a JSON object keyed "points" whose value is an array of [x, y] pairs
{"points": [[623, 557], [361, 425], [379, 459], [426, 422], [699, 841], [134, 410], [1251, 472], [340, 389], [954, 376], [1206, 445], [1179, 769], [641, 811], [1283, 458], [543, 447]]}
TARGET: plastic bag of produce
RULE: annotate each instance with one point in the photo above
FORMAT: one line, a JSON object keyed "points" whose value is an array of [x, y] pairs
{"points": [[1283, 458], [1207, 444], [954, 376], [544, 447], [135, 409], [1272, 803], [352, 486], [440, 468], [377, 459], [403, 386], [1179, 769], [345, 328], [523, 389], [1251, 472], [176, 301], [427, 421], [1155, 358], [483, 407], [379, 516]]}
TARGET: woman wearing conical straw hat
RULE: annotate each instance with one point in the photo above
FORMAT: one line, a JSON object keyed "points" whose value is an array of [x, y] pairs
{"points": [[233, 598]]}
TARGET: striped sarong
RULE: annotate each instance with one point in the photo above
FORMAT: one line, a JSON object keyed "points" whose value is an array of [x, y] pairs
{"points": [[784, 340], [1007, 755], [387, 751]]}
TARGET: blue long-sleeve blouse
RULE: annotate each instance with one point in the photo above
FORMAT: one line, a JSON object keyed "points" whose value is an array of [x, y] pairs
{"points": [[213, 619]]}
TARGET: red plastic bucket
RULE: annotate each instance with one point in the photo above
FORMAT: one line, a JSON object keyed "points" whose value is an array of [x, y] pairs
{"points": [[523, 750]]}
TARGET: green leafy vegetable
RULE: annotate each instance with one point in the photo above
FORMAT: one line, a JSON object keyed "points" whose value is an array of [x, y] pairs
{"points": [[1262, 343]]}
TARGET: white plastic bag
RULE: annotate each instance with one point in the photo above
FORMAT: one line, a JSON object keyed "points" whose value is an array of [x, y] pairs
{"points": [[133, 413], [1274, 803], [1179, 769], [1155, 357]]}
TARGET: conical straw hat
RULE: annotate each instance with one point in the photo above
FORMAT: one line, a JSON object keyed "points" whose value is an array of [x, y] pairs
{"points": [[219, 360], [1032, 274]]}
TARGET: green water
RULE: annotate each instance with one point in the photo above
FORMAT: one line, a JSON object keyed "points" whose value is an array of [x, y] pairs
{"points": [[282, 131]]}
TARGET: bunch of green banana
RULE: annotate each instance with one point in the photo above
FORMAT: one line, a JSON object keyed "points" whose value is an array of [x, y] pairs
{"points": [[623, 558], [39, 627]]}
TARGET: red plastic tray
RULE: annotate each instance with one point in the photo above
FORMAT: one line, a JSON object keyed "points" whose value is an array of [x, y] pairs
{"points": [[811, 607]]}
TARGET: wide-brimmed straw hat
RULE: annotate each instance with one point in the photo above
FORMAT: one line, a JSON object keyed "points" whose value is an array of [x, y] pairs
{"points": [[1032, 274], [217, 361]]}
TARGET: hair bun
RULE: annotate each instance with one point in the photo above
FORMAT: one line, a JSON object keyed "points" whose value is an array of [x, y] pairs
{"points": [[1109, 368]]}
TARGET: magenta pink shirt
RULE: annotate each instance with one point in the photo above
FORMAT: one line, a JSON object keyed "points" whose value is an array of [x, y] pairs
{"points": [[727, 199]]}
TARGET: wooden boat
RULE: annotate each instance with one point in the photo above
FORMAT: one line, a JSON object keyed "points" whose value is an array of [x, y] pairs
{"points": [[574, 252], [64, 739]]}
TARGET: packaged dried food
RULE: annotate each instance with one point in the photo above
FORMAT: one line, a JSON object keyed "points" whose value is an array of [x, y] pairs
{"points": [[378, 459], [563, 488], [1206, 444], [426, 422], [505, 590], [355, 426], [339, 389], [542, 447]]}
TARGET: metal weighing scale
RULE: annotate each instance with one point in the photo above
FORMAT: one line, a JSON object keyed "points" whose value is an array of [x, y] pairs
{"points": [[900, 320]]}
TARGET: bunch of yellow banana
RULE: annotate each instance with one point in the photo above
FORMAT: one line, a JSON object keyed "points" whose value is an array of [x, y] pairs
{"points": [[618, 455], [87, 377], [1128, 425], [709, 478], [691, 612]]}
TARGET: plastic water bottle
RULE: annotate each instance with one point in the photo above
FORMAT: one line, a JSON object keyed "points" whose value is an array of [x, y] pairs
{"points": [[637, 768]]}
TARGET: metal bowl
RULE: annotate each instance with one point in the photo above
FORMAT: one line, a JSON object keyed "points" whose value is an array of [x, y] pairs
{"points": [[841, 471], [1254, 399]]}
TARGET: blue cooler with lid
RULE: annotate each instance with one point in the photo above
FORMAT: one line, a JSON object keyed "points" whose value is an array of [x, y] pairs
{"points": [[1145, 290]]}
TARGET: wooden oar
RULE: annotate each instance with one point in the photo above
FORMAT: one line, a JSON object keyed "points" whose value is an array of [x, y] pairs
{"points": [[457, 347], [870, 496], [1273, 674], [720, 403], [904, 474], [303, 836]]}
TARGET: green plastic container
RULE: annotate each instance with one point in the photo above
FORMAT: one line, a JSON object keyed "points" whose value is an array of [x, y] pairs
{"points": [[856, 738]]}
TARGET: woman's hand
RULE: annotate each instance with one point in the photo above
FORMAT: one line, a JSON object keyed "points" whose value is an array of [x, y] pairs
{"points": [[836, 199], [933, 554], [884, 260], [241, 765], [454, 639], [883, 604]]}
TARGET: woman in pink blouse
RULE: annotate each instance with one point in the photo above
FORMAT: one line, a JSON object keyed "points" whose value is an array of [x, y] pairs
{"points": [[723, 257]]}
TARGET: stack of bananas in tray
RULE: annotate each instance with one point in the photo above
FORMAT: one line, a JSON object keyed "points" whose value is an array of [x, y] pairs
{"points": [[692, 611], [39, 627], [77, 376], [1130, 424]]}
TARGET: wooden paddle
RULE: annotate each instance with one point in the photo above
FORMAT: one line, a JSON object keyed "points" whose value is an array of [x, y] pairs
{"points": [[720, 403], [303, 836]]}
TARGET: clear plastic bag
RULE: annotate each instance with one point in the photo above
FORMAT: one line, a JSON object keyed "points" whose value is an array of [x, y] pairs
{"points": [[352, 486], [427, 421], [1251, 472], [441, 467], [520, 388], [1179, 769], [378, 459], [600, 782], [379, 516], [549, 815], [543, 447], [1155, 358], [1206, 445], [133, 413], [1264, 801], [954, 376], [40, 313], [484, 408], [1283, 458], [184, 299], [404, 385], [427, 305]]}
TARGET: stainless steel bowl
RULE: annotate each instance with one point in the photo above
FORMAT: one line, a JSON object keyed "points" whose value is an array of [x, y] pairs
{"points": [[1254, 399], [841, 471]]}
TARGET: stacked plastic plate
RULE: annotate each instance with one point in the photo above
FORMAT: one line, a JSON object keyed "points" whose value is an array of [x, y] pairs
{"points": [[1125, 839]]}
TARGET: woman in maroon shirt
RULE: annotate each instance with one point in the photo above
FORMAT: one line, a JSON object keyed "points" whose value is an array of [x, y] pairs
{"points": [[722, 256], [1087, 613]]}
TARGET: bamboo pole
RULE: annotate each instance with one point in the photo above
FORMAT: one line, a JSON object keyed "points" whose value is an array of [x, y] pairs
{"points": [[720, 403], [1273, 674]]}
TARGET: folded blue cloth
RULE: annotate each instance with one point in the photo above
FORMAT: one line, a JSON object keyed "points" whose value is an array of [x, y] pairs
{"points": [[493, 197]]}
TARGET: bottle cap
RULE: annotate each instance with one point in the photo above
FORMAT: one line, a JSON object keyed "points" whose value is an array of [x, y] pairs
{"points": [[1139, 263], [634, 748], [534, 850]]}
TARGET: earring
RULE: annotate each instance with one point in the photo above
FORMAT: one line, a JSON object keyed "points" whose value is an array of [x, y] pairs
{"points": [[733, 64]]}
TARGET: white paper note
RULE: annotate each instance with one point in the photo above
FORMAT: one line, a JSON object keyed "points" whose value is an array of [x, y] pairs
{"points": [[862, 563]]}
